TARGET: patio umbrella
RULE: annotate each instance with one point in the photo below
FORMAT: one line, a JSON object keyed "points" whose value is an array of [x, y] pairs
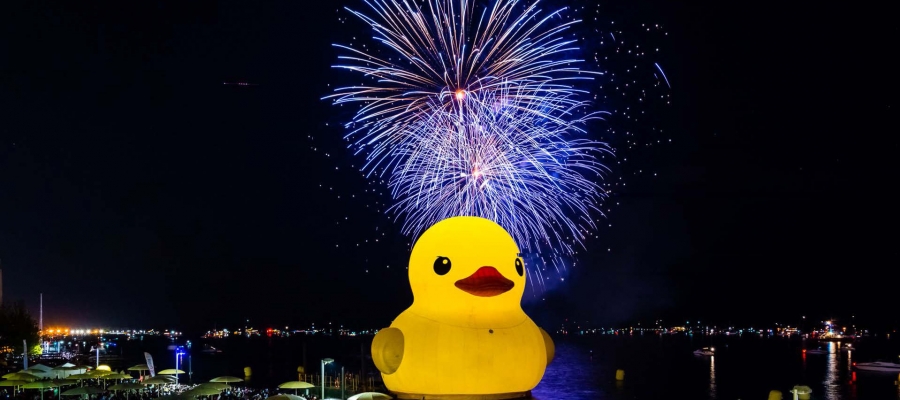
{"points": [[202, 391], [12, 383], [296, 385], [65, 382], [157, 380], [99, 373], [284, 397], [84, 390], [170, 371], [116, 376], [370, 396], [20, 376], [127, 386], [139, 367], [40, 385], [226, 379]]}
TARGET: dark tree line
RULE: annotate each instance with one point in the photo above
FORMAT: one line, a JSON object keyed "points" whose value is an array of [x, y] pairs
{"points": [[16, 324]]}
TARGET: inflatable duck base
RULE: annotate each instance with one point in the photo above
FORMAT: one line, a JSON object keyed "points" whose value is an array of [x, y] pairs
{"points": [[500, 396]]}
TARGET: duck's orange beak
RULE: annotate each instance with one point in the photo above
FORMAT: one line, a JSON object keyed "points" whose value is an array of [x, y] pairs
{"points": [[486, 282]]}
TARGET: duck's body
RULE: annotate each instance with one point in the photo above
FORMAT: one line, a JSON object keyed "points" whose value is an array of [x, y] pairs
{"points": [[507, 361], [465, 335]]}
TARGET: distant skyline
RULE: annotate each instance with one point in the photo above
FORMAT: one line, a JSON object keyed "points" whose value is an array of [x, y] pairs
{"points": [[852, 326], [874, 325], [138, 190]]}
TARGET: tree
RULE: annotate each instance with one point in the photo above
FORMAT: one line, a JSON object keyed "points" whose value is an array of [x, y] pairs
{"points": [[16, 324]]}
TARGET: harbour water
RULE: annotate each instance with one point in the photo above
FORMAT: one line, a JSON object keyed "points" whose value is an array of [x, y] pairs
{"points": [[748, 367], [656, 367]]}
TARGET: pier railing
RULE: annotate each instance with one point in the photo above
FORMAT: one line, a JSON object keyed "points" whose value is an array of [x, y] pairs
{"points": [[354, 382]]}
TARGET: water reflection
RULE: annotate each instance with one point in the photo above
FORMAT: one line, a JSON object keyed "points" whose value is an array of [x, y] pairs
{"points": [[586, 369], [803, 357], [831, 384], [849, 360]]}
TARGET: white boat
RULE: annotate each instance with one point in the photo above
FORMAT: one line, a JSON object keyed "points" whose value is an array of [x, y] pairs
{"points": [[878, 366], [706, 351], [210, 349], [815, 351]]}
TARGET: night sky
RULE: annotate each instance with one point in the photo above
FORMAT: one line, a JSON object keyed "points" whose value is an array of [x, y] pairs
{"points": [[136, 190]]}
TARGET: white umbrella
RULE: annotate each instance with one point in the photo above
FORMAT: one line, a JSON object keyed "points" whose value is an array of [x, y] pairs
{"points": [[370, 396]]}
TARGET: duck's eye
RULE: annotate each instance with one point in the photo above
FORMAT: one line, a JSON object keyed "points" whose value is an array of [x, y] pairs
{"points": [[442, 265], [520, 268]]}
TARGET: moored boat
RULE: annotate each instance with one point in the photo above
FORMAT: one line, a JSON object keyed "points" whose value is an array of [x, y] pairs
{"points": [[706, 351], [878, 366]]}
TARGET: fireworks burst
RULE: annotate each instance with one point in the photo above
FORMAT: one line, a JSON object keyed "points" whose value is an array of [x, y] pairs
{"points": [[471, 111], [443, 55], [503, 163]]}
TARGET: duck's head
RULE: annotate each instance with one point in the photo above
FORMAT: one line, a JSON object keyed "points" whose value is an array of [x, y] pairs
{"points": [[466, 266]]}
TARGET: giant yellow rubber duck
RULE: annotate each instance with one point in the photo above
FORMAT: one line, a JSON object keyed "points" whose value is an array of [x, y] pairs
{"points": [[465, 335]]}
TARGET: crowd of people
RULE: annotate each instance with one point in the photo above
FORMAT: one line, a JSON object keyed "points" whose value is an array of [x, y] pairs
{"points": [[167, 392]]}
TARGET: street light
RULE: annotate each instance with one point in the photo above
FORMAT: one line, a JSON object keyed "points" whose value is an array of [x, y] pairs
{"points": [[325, 361], [179, 351]]}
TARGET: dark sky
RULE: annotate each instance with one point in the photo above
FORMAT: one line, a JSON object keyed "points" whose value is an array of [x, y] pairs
{"points": [[137, 190]]}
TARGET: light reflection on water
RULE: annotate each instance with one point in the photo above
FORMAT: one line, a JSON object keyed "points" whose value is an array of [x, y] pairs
{"points": [[574, 374], [741, 369], [831, 384]]}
